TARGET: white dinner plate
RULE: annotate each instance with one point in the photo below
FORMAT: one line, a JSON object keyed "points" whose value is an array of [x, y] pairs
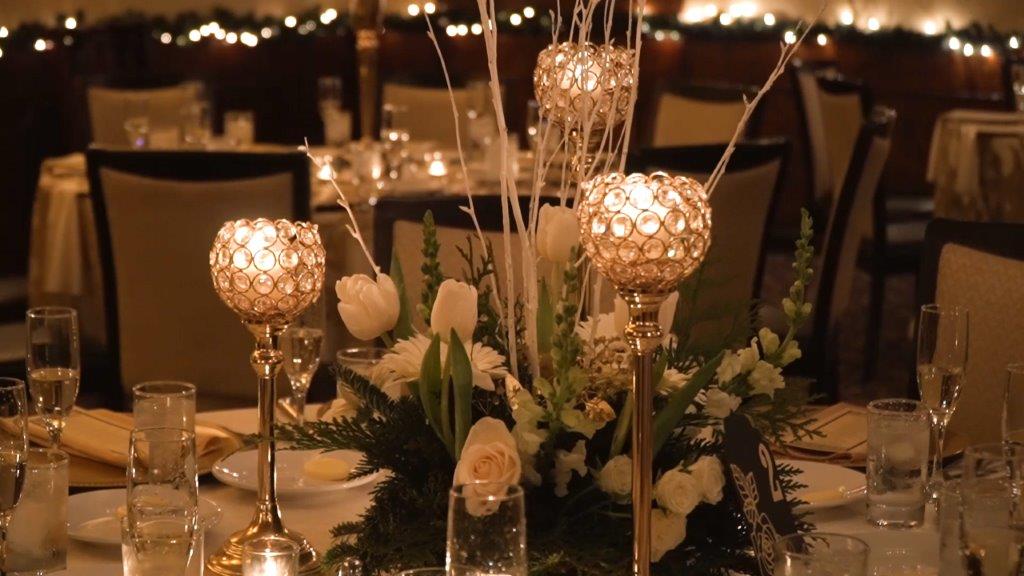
{"points": [[239, 470], [828, 485], [92, 516]]}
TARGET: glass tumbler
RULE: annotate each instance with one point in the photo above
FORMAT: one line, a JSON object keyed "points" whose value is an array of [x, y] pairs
{"points": [[38, 535], [240, 128], [821, 554], [898, 438], [992, 534], [164, 404], [486, 530]]}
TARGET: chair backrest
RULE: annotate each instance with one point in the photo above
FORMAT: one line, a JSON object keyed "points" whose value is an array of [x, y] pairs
{"points": [[978, 265], [833, 110], [398, 231], [109, 108], [1015, 84], [853, 211], [692, 114], [426, 111], [157, 214], [741, 206]]}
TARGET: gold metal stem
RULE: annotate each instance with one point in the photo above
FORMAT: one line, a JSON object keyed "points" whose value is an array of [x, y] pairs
{"points": [[266, 361], [643, 333], [367, 51]]}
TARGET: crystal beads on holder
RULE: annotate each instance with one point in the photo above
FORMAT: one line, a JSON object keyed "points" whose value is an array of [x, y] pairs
{"points": [[645, 233], [584, 84], [267, 271]]}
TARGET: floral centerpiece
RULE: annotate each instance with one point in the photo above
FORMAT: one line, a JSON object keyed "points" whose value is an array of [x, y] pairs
{"points": [[443, 407]]}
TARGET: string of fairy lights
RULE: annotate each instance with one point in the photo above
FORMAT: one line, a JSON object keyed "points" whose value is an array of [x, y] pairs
{"points": [[734, 20]]}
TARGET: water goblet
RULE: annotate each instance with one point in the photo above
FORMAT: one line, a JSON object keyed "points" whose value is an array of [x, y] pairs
{"points": [[942, 334], [52, 364]]}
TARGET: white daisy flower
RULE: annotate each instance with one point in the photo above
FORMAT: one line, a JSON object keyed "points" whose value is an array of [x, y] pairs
{"points": [[402, 365]]}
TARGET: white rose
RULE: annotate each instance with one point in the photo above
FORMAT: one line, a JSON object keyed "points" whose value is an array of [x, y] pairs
{"points": [[616, 478], [666, 314], [558, 232], [769, 341], [566, 463], [790, 353], [766, 379], [668, 530], [707, 471], [677, 492], [489, 455], [454, 308], [719, 404], [368, 308]]}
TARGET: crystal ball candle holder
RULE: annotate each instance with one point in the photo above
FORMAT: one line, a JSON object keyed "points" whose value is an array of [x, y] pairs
{"points": [[645, 233], [584, 84], [267, 271]]}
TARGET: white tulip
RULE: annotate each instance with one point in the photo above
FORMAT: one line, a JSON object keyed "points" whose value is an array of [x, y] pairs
{"points": [[368, 308], [668, 530], [616, 478], [558, 232], [678, 492], [454, 307]]}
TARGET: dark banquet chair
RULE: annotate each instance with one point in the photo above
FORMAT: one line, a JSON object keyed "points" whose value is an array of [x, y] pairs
{"points": [[156, 215], [980, 266], [109, 108]]}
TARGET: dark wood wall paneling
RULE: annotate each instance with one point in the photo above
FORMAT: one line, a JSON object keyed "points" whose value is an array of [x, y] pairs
{"points": [[43, 111]]}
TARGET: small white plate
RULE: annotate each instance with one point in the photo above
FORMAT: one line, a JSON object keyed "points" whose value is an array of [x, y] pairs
{"points": [[92, 516], [828, 485], [239, 470]]}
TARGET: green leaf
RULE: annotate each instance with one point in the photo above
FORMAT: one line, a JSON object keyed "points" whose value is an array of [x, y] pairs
{"points": [[622, 426], [670, 415], [430, 388], [545, 320], [462, 387], [403, 329]]}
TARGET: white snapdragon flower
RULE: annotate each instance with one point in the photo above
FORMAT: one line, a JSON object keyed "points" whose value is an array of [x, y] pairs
{"points": [[616, 478], [708, 476], [769, 341], [668, 530], [790, 353], [719, 404], [678, 492], [766, 379], [730, 367], [673, 380], [566, 463]]}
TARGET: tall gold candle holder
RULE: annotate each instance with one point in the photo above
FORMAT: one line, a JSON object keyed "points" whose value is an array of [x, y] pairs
{"points": [[584, 89], [645, 234], [267, 272]]}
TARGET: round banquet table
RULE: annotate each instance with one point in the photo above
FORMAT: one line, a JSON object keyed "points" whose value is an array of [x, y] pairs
{"points": [[315, 516]]}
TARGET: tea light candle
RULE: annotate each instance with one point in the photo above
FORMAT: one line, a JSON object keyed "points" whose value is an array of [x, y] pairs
{"points": [[270, 556], [436, 166]]}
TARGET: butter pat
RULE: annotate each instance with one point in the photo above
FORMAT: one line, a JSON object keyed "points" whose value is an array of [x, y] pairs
{"points": [[327, 468]]}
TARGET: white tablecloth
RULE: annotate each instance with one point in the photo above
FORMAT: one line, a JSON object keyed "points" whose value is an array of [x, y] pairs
{"points": [[976, 163], [314, 517]]}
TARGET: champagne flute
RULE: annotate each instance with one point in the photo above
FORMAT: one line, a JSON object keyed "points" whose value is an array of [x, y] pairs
{"points": [[163, 495], [52, 363], [1013, 404], [302, 347], [486, 530], [942, 333], [13, 452]]}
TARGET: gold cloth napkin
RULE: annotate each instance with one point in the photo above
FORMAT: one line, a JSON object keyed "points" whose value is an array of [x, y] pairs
{"points": [[103, 436]]}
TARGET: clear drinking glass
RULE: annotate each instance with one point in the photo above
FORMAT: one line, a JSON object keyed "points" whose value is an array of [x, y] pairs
{"points": [[821, 554], [136, 129], [994, 460], [240, 127], [52, 364], [270, 556], [328, 89], [302, 347], [1013, 404], [438, 571], [942, 333], [13, 451], [130, 564], [898, 434], [196, 124], [164, 404], [163, 496], [991, 526], [950, 557], [486, 530], [38, 542]]}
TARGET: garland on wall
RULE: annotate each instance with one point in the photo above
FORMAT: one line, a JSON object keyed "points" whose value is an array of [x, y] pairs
{"points": [[738, 22]]}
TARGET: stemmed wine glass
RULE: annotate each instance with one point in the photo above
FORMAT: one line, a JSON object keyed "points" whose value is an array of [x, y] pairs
{"points": [[52, 363], [942, 334], [13, 452], [1013, 404], [163, 495], [302, 346]]}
